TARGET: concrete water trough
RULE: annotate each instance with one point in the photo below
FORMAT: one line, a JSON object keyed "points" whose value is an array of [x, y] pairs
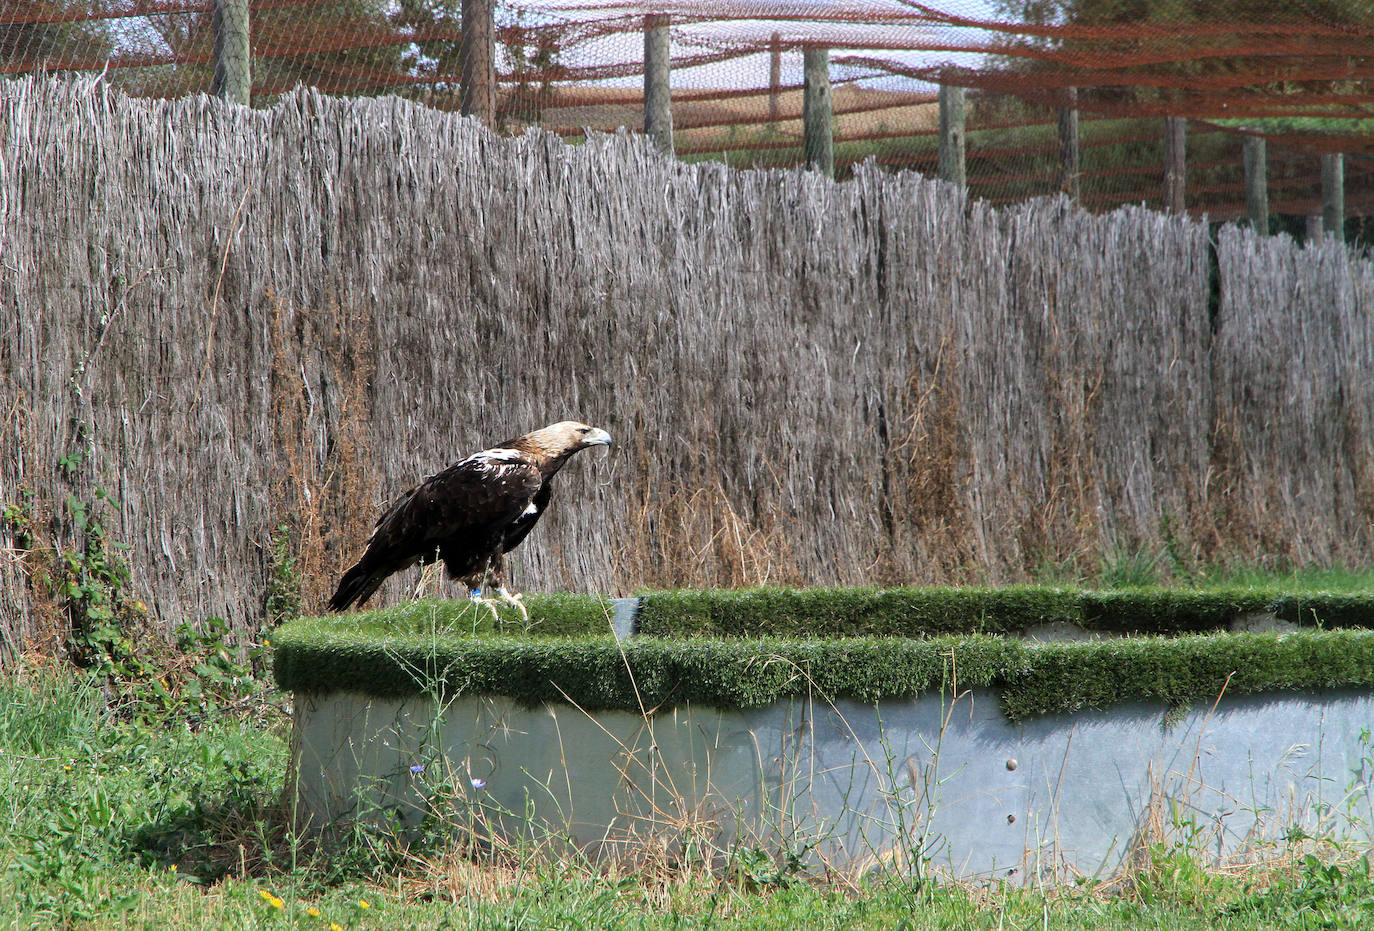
{"points": [[961, 778]]}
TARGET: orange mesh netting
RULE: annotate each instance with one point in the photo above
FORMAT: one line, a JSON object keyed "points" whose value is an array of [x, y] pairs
{"points": [[1299, 75]]}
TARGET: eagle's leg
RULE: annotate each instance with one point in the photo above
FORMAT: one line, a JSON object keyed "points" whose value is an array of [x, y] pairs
{"points": [[514, 599], [475, 596], [498, 575], [493, 573]]}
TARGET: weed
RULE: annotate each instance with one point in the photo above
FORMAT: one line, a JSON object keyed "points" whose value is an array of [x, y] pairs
{"points": [[218, 676], [18, 517], [1324, 897], [1130, 568], [1182, 566], [283, 599], [1173, 874], [94, 585]]}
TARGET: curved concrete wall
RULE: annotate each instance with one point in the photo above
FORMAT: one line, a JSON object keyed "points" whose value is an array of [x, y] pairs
{"points": [[854, 786]]}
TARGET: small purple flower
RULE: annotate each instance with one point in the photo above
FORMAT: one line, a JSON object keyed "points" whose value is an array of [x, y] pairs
{"points": [[418, 768], [478, 783]]}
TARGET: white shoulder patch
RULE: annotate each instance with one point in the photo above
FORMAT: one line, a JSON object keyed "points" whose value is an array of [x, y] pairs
{"points": [[496, 458], [502, 454]]}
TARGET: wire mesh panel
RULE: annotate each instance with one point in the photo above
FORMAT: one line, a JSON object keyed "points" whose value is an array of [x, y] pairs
{"points": [[1062, 94]]}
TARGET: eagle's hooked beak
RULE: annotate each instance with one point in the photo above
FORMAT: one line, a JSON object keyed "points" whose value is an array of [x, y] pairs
{"points": [[596, 437]]}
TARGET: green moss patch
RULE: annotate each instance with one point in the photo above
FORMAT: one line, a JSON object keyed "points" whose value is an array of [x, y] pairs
{"points": [[325, 655], [852, 612], [557, 615], [920, 612], [1185, 670]]}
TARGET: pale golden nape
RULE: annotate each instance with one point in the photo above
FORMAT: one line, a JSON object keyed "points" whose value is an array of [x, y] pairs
{"points": [[561, 439]]}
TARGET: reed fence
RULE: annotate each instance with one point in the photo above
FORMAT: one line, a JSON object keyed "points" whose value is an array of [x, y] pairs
{"points": [[253, 327]]}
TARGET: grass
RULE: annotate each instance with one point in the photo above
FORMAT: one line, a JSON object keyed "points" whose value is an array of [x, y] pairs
{"points": [[150, 822], [135, 807]]}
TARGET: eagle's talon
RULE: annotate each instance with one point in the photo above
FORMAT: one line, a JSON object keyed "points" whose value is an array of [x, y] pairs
{"points": [[516, 600]]}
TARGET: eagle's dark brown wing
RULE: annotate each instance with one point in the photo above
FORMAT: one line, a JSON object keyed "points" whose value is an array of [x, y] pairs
{"points": [[522, 525], [461, 515]]}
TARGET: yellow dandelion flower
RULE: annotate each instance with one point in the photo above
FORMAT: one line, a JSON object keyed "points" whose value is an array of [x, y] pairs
{"points": [[271, 899], [363, 903], [172, 868], [335, 926], [313, 912]]}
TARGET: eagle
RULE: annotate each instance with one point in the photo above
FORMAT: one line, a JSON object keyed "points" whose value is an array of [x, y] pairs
{"points": [[469, 515]]}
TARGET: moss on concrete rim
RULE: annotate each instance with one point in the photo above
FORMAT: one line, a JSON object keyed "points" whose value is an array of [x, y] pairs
{"points": [[893, 612], [597, 673], [918, 612]]}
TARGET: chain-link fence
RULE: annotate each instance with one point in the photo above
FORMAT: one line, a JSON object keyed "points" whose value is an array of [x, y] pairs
{"points": [[1231, 109]]}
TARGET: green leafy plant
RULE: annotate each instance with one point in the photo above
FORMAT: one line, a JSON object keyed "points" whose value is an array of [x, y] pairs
{"points": [[1174, 874], [93, 585], [218, 676], [1323, 897], [283, 600], [18, 518]]}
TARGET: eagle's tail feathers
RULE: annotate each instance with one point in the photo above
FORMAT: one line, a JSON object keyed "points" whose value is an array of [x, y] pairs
{"points": [[357, 586]]}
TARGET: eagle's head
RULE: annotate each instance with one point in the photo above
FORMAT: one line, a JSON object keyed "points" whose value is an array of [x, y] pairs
{"points": [[558, 441]]}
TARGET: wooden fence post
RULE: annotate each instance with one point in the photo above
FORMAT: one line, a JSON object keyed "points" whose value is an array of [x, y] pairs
{"points": [[774, 76], [1333, 195], [819, 135], [1069, 171], [658, 109], [477, 61], [1256, 184], [1175, 164], [952, 150], [233, 78]]}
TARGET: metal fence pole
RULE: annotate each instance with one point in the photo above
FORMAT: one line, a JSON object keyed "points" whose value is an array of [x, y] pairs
{"points": [[816, 114], [658, 111], [233, 77]]}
